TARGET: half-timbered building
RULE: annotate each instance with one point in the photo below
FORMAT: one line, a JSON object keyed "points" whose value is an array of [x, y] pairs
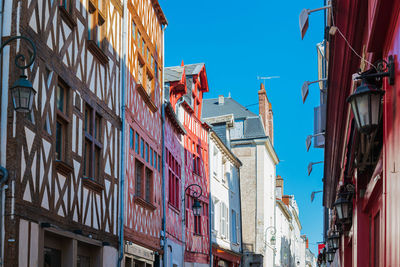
{"points": [[187, 84], [143, 190], [63, 157]]}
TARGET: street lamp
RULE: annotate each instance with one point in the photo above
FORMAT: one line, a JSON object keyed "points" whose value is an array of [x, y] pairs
{"points": [[366, 101], [22, 91], [196, 207], [309, 167]]}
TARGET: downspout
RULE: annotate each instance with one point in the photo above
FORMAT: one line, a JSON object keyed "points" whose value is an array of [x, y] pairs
{"points": [[3, 180], [240, 209], [209, 199], [163, 240], [3, 131], [122, 180]]}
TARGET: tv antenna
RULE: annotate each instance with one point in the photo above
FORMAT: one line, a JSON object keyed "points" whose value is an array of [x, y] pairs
{"points": [[267, 78]]}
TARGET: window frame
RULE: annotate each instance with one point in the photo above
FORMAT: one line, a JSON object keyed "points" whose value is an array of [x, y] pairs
{"points": [[62, 118], [174, 180], [96, 144]]}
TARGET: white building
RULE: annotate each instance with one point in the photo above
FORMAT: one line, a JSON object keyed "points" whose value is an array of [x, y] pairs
{"points": [[250, 137], [225, 208], [291, 247]]}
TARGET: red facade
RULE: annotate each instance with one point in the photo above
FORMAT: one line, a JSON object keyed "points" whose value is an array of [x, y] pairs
{"points": [[173, 175], [370, 163], [195, 142]]}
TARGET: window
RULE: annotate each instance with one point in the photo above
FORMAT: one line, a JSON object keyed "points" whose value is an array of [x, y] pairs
{"points": [[174, 175], [139, 178], [149, 84], [197, 223], [96, 30], [140, 72], [196, 160], [52, 257], [147, 152], [224, 220], [143, 182], [133, 30], [131, 138], [137, 143], [67, 5], [141, 147], [233, 227], [62, 121], [93, 145], [148, 185]]}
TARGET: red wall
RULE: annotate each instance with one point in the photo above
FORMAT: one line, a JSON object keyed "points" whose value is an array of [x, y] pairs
{"points": [[391, 186]]}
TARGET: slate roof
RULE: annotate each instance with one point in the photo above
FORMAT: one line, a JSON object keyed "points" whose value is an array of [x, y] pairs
{"points": [[173, 74], [230, 106], [252, 128], [191, 69]]}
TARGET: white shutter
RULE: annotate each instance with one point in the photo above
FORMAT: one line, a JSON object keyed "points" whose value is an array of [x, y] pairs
{"points": [[227, 222], [221, 221]]}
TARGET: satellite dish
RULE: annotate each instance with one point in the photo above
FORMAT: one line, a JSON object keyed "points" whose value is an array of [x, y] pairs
{"points": [[303, 22], [308, 142], [304, 91]]}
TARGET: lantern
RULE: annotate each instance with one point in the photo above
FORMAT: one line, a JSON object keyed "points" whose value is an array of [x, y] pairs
{"points": [[196, 207], [366, 104], [343, 207], [22, 93]]}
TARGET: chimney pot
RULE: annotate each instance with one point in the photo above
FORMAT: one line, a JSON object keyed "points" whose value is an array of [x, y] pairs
{"points": [[220, 100]]}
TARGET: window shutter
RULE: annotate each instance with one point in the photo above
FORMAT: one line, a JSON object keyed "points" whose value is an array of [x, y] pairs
{"points": [[237, 227], [227, 222]]}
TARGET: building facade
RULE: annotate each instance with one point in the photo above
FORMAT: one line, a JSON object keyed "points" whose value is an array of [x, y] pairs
{"points": [[250, 139], [225, 207], [143, 134], [62, 200], [363, 166], [186, 84]]}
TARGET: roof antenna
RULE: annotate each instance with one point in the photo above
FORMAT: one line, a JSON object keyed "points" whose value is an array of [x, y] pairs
{"points": [[267, 78]]}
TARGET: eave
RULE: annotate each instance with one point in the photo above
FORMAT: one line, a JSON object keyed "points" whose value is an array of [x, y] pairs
{"points": [[169, 111]]}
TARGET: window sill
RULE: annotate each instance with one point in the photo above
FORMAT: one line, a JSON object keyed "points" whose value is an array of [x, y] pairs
{"points": [[63, 167], [92, 184], [147, 99], [172, 207], [97, 52], [67, 16], [144, 203]]}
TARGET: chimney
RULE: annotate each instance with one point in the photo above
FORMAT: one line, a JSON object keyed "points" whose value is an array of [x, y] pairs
{"points": [[279, 187], [265, 111], [220, 100]]}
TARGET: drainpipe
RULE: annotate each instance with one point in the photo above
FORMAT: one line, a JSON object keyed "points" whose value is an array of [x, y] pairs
{"points": [[163, 239], [209, 199], [3, 180], [3, 130], [122, 180]]}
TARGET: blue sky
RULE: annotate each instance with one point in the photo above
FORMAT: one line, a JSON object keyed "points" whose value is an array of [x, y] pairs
{"points": [[240, 40]]}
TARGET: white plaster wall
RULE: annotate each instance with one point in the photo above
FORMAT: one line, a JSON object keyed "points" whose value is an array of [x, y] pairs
{"points": [[224, 188], [174, 253], [110, 256]]}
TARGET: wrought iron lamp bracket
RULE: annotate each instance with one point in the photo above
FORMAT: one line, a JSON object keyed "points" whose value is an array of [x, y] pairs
{"points": [[383, 69], [195, 194], [19, 56]]}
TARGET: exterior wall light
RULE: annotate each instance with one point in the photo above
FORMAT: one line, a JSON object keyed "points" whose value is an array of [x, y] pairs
{"points": [[366, 101], [196, 207], [22, 91], [333, 240], [303, 19], [343, 207], [330, 254]]}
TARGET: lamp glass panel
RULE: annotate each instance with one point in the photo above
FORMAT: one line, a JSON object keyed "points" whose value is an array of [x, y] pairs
{"points": [[339, 211], [196, 210], [335, 242], [356, 115], [375, 108], [25, 95], [345, 210], [362, 102]]}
